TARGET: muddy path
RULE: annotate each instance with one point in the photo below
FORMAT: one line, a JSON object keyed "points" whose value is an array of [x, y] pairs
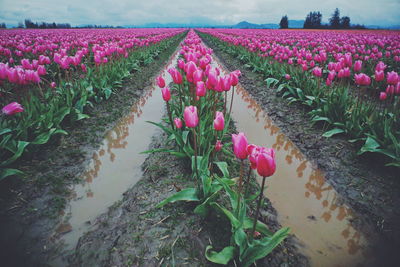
{"points": [[32, 209], [372, 191], [135, 233]]}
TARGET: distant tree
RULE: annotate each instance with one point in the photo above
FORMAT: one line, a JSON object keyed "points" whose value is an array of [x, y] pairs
{"points": [[334, 21], [3, 26], [313, 20], [345, 22], [20, 25], [284, 24]]}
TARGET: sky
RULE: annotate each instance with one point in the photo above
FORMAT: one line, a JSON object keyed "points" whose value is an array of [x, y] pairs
{"points": [[220, 12]]}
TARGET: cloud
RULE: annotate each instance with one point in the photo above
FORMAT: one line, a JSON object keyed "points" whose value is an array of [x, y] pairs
{"points": [[134, 12]]}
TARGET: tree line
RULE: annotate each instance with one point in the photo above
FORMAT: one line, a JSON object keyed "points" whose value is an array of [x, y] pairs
{"points": [[314, 21]]}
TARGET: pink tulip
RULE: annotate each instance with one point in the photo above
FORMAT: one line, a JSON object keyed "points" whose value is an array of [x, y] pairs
{"points": [[197, 76], [362, 79], [219, 121], [160, 82], [166, 93], [176, 75], [41, 70], [181, 64], [328, 82], [83, 68], [253, 151], [390, 90], [397, 89], [12, 108], [213, 77], [266, 164], [190, 116], [53, 85], [331, 75], [240, 145], [379, 75], [200, 89], [317, 71], [218, 146], [357, 66], [287, 77], [382, 96], [392, 77], [178, 123], [380, 66]]}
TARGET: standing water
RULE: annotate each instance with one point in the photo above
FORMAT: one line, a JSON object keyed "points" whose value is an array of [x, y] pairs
{"points": [[304, 200], [115, 167]]}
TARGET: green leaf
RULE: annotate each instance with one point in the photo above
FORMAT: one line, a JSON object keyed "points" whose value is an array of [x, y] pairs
{"points": [[261, 248], [271, 81], [4, 131], [260, 227], [222, 257], [223, 166], [188, 194], [9, 172], [107, 93], [333, 132], [235, 223], [18, 152], [203, 208], [370, 145]]}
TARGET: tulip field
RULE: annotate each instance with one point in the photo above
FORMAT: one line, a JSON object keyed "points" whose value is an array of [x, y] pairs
{"points": [[52, 76], [349, 80], [346, 82]]}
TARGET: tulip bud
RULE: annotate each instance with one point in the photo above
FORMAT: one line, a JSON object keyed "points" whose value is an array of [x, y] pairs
{"points": [[190, 116], [219, 121], [166, 94], [12, 108], [218, 146], [240, 145], [160, 82], [178, 123]]}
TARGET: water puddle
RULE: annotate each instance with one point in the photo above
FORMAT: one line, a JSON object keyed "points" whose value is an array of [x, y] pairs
{"points": [[304, 200], [115, 167]]}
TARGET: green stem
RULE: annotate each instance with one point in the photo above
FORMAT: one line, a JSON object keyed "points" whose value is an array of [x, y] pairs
{"points": [[258, 209], [240, 187]]}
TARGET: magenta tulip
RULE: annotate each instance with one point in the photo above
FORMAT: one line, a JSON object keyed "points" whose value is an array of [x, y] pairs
{"points": [[218, 146], [317, 72], [53, 85], [200, 89], [166, 93], [12, 108], [382, 96], [266, 164], [392, 77], [190, 116], [219, 121], [160, 82], [379, 75], [357, 66], [178, 123], [362, 79], [287, 77], [239, 145]]}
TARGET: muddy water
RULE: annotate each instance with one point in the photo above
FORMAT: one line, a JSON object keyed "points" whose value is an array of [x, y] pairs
{"points": [[304, 200], [115, 167]]}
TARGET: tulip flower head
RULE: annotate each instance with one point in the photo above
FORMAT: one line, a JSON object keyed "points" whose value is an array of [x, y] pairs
{"points": [[12, 108], [382, 96], [166, 93], [160, 82], [219, 121], [190, 116], [218, 146], [287, 77], [178, 123], [200, 89], [266, 164], [240, 145]]}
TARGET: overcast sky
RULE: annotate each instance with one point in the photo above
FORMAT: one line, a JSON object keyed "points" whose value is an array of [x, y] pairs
{"points": [[135, 12]]}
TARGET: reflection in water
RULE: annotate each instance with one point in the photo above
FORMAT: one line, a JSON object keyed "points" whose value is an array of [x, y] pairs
{"points": [[115, 167], [304, 200]]}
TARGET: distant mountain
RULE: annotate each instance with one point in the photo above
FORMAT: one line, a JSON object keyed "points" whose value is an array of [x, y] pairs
{"points": [[296, 23], [248, 25]]}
